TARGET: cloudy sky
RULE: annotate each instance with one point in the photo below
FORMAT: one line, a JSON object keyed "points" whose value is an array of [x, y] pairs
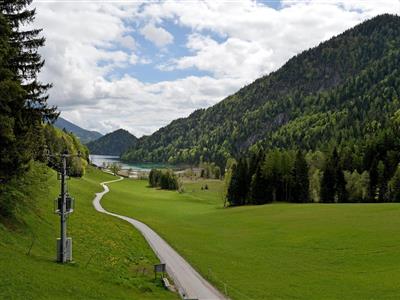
{"points": [[139, 65]]}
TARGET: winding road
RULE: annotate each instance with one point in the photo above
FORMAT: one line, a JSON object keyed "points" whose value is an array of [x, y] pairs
{"points": [[190, 284]]}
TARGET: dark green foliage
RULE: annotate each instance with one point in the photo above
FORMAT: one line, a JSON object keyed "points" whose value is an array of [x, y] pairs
{"points": [[286, 175], [115, 168], [164, 179], [328, 186], [301, 183], [394, 186], [209, 170], [333, 185], [233, 193], [23, 98], [340, 93], [258, 193], [58, 141], [85, 136], [114, 143]]}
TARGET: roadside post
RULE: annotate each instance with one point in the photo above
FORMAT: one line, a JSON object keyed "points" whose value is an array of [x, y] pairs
{"points": [[159, 268]]}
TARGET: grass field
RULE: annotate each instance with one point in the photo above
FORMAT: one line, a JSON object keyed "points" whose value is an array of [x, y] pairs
{"points": [[112, 260], [276, 251]]}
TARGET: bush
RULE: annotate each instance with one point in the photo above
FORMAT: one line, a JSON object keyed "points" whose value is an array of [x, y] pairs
{"points": [[57, 141], [164, 179]]}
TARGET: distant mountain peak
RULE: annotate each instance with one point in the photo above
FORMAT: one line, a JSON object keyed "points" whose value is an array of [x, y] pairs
{"points": [[84, 135], [113, 143]]}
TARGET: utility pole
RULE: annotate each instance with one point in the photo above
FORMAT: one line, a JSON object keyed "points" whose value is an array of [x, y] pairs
{"points": [[63, 212], [63, 206]]}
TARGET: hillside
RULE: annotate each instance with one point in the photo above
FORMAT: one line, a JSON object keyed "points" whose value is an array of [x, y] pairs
{"points": [[84, 135], [347, 88], [111, 260], [114, 143]]}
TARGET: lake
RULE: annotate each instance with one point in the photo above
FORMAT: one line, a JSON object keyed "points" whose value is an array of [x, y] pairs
{"points": [[98, 160]]}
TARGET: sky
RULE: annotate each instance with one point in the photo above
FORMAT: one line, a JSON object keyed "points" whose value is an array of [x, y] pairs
{"points": [[138, 65]]}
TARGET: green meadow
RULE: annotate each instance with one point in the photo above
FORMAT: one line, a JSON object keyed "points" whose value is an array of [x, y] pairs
{"points": [[275, 251], [112, 260]]}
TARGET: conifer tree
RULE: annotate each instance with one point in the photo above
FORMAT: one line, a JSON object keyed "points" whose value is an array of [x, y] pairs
{"points": [[258, 193], [382, 182], [333, 185], [233, 193], [341, 192], [328, 185], [243, 180], [301, 182], [394, 186], [24, 99], [373, 182]]}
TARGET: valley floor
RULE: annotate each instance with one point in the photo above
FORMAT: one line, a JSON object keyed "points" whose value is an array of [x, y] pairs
{"points": [[304, 251], [111, 259]]}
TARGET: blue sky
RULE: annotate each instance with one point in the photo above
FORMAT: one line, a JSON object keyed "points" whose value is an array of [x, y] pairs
{"points": [[138, 66], [149, 72]]}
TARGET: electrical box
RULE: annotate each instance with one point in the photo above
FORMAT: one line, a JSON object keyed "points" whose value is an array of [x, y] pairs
{"points": [[69, 204], [68, 250]]}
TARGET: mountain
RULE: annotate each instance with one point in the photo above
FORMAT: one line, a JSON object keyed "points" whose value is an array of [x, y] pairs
{"points": [[114, 143], [345, 89], [84, 135]]}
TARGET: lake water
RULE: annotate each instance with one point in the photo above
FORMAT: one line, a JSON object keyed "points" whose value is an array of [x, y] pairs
{"points": [[98, 160]]}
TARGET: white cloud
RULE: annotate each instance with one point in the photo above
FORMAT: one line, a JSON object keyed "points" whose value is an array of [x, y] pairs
{"points": [[235, 42], [227, 59], [133, 59], [127, 42], [131, 104], [157, 35]]}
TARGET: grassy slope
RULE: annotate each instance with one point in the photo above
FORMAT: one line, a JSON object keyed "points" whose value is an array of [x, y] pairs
{"points": [[109, 254], [311, 251]]}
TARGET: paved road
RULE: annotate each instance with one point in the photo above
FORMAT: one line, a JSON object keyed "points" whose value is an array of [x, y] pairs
{"points": [[190, 284]]}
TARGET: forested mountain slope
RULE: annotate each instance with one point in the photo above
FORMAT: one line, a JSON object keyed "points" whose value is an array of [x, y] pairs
{"points": [[344, 89], [114, 143], [84, 135]]}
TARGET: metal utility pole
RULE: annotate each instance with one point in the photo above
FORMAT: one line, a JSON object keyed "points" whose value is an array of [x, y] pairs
{"points": [[64, 205], [63, 214]]}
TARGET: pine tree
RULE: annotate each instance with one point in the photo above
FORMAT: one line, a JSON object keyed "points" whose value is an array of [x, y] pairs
{"points": [[373, 182], [341, 192], [394, 186], [328, 185], [24, 99], [301, 182], [333, 185], [233, 193], [258, 193], [382, 183], [243, 180]]}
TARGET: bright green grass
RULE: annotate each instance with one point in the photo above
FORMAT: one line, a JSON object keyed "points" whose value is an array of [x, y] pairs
{"points": [[276, 251], [112, 260]]}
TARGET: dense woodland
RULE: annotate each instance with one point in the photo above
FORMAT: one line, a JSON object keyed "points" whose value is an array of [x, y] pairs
{"points": [[367, 171], [339, 93], [25, 139], [114, 143]]}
